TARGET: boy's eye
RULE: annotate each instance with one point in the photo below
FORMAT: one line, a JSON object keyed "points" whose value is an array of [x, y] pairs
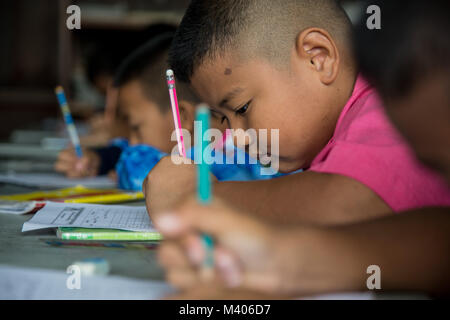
{"points": [[243, 109], [135, 127], [218, 116]]}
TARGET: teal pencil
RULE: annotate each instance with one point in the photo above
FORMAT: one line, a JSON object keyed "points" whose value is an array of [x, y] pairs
{"points": [[204, 194]]}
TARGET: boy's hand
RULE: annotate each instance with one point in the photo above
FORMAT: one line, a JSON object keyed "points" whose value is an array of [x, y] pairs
{"points": [[248, 253], [168, 183], [113, 175], [73, 167]]}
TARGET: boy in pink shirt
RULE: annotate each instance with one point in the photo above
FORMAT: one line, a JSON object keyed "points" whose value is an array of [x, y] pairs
{"points": [[288, 65], [366, 147], [411, 250]]}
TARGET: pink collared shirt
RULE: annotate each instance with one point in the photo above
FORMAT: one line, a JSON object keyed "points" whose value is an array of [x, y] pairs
{"points": [[366, 147]]}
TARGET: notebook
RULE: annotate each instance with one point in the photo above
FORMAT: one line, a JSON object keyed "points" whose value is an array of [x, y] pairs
{"points": [[68, 233]]}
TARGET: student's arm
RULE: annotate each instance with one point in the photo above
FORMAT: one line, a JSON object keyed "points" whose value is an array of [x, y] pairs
{"points": [[412, 250], [308, 197], [99, 161]]}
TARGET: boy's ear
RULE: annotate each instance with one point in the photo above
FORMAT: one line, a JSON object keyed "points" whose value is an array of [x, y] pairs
{"points": [[187, 114], [317, 48]]}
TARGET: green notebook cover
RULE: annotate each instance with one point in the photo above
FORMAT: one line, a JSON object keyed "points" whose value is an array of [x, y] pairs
{"points": [[67, 233]]}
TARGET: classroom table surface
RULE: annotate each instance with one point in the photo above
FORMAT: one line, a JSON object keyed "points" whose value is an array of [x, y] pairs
{"points": [[27, 151], [29, 250]]}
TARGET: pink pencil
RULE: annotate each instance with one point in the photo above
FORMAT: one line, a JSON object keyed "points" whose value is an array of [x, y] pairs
{"points": [[175, 111]]}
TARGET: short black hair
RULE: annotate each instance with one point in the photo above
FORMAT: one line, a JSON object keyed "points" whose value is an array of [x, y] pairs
{"points": [[104, 50], [412, 44], [267, 28], [148, 65]]}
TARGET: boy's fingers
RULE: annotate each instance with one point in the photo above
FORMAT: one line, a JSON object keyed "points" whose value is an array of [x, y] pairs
{"points": [[73, 174], [83, 167], [82, 164], [182, 278], [186, 251], [67, 155], [61, 166], [213, 219], [266, 283], [228, 267], [195, 248], [172, 256], [66, 159]]}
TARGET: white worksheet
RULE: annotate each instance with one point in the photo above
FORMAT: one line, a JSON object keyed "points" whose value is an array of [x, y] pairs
{"points": [[55, 180], [81, 215], [42, 284]]}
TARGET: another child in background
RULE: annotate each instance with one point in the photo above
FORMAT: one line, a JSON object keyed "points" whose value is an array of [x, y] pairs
{"points": [[144, 105], [103, 51], [102, 160]]}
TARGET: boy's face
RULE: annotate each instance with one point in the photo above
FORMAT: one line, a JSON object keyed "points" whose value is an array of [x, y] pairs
{"points": [[423, 117], [257, 95], [148, 125]]}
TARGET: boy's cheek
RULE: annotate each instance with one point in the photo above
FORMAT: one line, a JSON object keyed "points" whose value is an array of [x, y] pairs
{"points": [[287, 156]]}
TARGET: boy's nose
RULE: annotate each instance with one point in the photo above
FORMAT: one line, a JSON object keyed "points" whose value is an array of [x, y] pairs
{"points": [[243, 138], [133, 140]]}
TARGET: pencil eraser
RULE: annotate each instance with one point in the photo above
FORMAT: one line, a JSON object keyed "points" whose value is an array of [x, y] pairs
{"points": [[93, 266], [202, 108], [169, 73]]}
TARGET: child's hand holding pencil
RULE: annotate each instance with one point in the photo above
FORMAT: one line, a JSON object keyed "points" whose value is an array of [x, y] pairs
{"points": [[69, 164], [247, 252], [74, 163], [167, 184], [204, 182]]}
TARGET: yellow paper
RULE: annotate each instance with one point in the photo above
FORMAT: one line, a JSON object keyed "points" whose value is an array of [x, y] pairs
{"points": [[80, 194]]}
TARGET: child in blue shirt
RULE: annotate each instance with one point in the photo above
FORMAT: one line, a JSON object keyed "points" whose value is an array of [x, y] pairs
{"points": [[143, 103]]}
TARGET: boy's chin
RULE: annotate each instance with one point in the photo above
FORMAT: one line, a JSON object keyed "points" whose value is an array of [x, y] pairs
{"points": [[288, 166]]}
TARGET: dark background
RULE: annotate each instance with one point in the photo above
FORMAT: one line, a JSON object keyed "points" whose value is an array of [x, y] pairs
{"points": [[38, 52]]}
